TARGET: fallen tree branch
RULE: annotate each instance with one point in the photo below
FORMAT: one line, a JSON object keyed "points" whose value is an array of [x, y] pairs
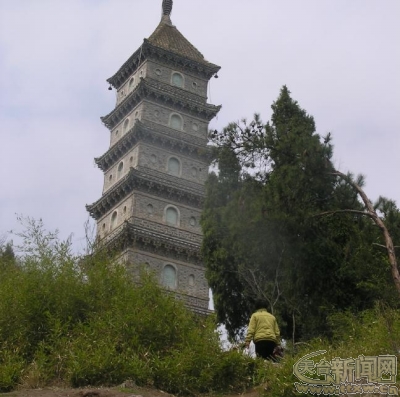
{"points": [[371, 213]]}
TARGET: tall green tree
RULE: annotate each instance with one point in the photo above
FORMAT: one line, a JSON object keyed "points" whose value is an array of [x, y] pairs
{"points": [[262, 238]]}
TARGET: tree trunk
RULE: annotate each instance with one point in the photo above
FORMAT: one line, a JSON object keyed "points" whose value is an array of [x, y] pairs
{"points": [[370, 211]]}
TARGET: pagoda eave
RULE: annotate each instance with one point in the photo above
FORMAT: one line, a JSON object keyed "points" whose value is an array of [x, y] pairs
{"points": [[160, 93], [131, 235], [149, 51], [148, 181], [153, 134]]}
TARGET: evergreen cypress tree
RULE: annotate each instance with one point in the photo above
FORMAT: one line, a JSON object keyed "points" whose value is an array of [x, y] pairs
{"points": [[263, 235]]}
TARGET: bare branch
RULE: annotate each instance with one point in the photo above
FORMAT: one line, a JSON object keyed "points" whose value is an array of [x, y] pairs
{"points": [[348, 211], [380, 245]]}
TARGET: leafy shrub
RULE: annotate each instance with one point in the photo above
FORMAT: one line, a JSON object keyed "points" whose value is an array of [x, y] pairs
{"points": [[369, 333], [82, 321], [190, 371], [11, 367]]}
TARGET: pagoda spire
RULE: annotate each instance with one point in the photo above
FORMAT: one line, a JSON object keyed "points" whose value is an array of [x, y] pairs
{"points": [[167, 7]]}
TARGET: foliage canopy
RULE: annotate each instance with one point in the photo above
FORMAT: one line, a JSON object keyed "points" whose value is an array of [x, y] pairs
{"points": [[264, 238]]}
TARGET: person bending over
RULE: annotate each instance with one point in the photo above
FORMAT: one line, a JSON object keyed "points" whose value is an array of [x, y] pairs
{"points": [[263, 330]]}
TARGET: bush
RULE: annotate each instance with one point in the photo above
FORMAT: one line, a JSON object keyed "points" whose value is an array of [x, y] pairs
{"points": [[11, 367], [80, 321], [372, 332]]}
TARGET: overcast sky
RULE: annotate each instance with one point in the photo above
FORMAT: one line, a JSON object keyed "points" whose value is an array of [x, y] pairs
{"points": [[339, 58]]}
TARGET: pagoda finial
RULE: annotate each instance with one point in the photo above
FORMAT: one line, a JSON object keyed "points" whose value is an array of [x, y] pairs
{"points": [[167, 7]]}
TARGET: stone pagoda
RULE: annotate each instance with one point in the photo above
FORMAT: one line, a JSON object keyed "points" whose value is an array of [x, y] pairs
{"points": [[157, 163]]}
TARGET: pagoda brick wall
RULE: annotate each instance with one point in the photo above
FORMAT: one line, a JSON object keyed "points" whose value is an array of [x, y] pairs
{"points": [[104, 223], [157, 159], [120, 130], [137, 206], [161, 115], [155, 264], [129, 160], [152, 69]]}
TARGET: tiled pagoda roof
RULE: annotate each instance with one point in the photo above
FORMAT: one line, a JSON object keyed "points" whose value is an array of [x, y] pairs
{"points": [[168, 37], [168, 43]]}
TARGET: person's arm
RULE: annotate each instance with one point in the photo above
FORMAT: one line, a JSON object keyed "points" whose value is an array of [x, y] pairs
{"points": [[277, 333], [250, 330]]}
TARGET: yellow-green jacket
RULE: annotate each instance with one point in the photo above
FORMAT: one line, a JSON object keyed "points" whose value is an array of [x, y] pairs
{"points": [[263, 326]]}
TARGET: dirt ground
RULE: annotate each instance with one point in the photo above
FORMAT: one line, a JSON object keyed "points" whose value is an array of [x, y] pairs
{"points": [[121, 391]]}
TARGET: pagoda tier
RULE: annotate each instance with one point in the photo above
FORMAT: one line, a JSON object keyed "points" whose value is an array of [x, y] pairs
{"points": [[157, 239], [167, 95], [152, 182], [158, 48], [159, 136]]}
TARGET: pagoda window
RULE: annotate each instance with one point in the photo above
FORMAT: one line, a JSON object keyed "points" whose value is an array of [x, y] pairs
{"points": [[126, 125], [169, 277], [176, 122], [113, 220], [146, 267], [171, 216], [120, 169], [177, 79], [174, 166]]}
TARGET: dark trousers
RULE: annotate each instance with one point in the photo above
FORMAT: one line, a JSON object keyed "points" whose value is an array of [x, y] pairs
{"points": [[265, 349]]}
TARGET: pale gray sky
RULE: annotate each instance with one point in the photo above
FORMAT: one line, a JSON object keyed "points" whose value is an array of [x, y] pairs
{"points": [[339, 58]]}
